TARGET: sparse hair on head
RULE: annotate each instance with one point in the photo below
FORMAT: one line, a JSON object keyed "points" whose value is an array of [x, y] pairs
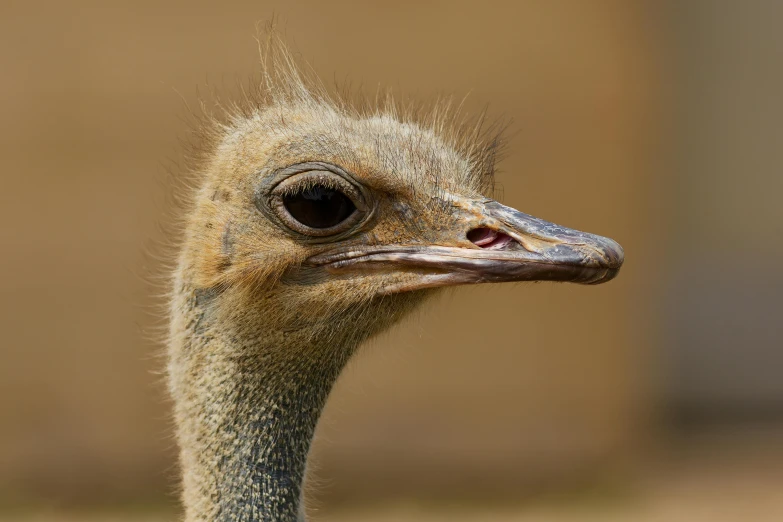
{"points": [[286, 81]]}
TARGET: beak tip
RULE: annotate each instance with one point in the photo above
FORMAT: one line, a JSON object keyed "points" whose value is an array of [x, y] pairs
{"points": [[613, 253]]}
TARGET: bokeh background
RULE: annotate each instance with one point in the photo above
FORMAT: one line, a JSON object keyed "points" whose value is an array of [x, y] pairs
{"points": [[656, 397]]}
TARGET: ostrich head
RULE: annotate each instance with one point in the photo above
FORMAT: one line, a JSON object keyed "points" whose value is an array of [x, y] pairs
{"points": [[315, 225], [317, 213]]}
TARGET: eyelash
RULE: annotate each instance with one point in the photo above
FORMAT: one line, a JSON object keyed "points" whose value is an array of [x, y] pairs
{"points": [[309, 183]]}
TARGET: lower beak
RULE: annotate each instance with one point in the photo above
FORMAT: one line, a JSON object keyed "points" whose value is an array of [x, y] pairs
{"points": [[508, 245]]}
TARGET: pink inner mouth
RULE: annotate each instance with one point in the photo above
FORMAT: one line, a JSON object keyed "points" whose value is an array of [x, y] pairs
{"points": [[488, 238]]}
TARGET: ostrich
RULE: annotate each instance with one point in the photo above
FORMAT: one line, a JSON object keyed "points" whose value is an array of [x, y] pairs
{"points": [[312, 226]]}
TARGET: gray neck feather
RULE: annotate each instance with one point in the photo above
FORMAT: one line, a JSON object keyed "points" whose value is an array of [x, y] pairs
{"points": [[246, 404]]}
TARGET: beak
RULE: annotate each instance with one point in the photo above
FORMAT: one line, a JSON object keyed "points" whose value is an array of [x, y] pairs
{"points": [[490, 243]]}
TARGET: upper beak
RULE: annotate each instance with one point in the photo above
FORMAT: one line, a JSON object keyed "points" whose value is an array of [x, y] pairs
{"points": [[490, 243]]}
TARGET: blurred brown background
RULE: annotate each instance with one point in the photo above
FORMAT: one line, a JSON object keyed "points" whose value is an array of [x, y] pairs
{"points": [[655, 123]]}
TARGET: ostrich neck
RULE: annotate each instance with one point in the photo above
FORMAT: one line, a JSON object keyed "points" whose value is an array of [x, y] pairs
{"points": [[247, 401]]}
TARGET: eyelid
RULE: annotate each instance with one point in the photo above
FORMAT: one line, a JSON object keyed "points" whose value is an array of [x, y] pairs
{"points": [[308, 179]]}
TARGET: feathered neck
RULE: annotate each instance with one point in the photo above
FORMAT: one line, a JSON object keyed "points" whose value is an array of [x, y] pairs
{"points": [[247, 400], [249, 385]]}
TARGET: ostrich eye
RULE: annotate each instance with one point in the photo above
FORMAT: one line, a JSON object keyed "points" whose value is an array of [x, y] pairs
{"points": [[318, 203], [319, 206]]}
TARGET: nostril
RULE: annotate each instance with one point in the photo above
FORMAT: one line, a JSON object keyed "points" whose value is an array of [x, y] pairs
{"points": [[482, 236], [488, 238]]}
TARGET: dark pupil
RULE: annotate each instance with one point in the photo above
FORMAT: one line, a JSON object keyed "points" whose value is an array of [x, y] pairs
{"points": [[319, 206]]}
